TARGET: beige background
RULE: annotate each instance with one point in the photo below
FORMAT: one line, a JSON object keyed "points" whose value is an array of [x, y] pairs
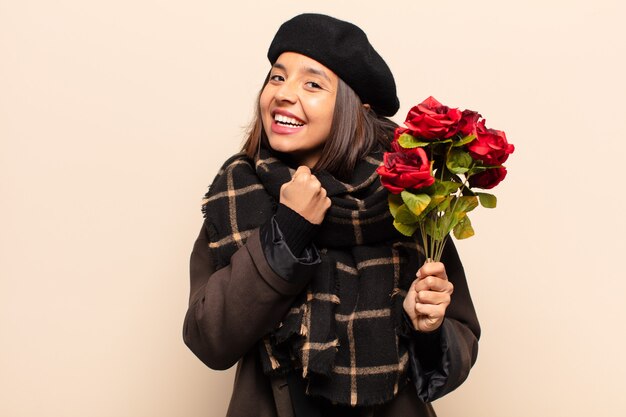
{"points": [[115, 115]]}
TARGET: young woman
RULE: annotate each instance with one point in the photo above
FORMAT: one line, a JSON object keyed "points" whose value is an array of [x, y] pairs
{"points": [[298, 274]]}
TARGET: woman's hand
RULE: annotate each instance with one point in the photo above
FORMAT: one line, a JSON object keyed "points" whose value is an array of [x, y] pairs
{"points": [[305, 195], [429, 297]]}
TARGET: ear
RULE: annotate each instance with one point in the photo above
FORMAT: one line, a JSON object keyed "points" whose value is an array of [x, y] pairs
{"points": [[367, 107]]}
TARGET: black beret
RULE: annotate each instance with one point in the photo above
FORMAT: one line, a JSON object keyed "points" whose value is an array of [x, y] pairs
{"points": [[343, 48]]}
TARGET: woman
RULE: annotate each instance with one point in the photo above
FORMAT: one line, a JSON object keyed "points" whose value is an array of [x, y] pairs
{"points": [[298, 275]]}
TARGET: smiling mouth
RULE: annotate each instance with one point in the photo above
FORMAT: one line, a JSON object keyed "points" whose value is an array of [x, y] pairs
{"points": [[287, 121]]}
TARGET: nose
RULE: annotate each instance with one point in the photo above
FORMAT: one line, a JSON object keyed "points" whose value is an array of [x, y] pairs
{"points": [[287, 92]]}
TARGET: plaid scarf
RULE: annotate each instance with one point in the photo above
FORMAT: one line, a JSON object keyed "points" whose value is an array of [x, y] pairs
{"points": [[342, 332]]}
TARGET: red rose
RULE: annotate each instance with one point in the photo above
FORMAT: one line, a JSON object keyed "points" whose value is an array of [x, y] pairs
{"points": [[432, 120], [490, 145], [468, 122], [488, 179], [405, 169], [399, 132]]}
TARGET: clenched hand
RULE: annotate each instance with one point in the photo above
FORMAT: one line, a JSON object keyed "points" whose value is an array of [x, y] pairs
{"points": [[305, 195], [429, 297]]}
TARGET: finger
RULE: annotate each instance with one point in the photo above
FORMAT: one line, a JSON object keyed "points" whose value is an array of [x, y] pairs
{"points": [[433, 283], [302, 170], [432, 297], [409, 307], [301, 177], [314, 182], [431, 311], [437, 269]]}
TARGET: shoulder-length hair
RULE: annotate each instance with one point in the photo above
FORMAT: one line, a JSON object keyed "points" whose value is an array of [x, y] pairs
{"points": [[356, 130]]}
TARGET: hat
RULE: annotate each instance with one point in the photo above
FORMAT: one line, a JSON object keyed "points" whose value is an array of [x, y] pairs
{"points": [[344, 49]]}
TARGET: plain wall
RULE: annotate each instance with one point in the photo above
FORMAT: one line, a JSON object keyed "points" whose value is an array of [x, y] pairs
{"points": [[115, 116]]}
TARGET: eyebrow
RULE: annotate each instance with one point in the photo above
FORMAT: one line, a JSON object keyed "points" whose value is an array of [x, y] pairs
{"points": [[310, 70]]}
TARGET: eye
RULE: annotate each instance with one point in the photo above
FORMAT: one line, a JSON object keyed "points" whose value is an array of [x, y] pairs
{"points": [[277, 78], [313, 84]]}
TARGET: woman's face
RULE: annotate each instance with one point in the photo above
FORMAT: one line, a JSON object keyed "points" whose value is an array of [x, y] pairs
{"points": [[297, 106]]}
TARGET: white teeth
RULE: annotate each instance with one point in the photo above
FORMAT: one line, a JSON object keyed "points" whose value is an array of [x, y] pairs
{"points": [[287, 120]]}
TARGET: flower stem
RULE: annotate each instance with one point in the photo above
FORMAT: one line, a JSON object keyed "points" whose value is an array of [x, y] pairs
{"points": [[425, 243]]}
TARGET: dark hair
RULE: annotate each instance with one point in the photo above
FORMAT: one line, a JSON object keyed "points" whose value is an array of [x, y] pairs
{"points": [[356, 130]]}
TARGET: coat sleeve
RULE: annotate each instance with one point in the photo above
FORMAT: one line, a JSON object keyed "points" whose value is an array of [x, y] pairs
{"points": [[441, 361], [232, 308]]}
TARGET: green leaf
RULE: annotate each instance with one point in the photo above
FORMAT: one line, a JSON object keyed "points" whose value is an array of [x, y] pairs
{"points": [[441, 188], [405, 229], [430, 227], [463, 205], [463, 229], [415, 202], [444, 204], [459, 161], [404, 215], [487, 200], [434, 202], [467, 139], [438, 204], [446, 187], [395, 201], [408, 141], [447, 222]]}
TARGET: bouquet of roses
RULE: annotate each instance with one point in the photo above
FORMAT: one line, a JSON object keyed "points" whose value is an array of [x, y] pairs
{"points": [[438, 160]]}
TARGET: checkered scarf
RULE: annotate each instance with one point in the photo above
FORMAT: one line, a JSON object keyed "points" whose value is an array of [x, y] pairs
{"points": [[342, 332]]}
